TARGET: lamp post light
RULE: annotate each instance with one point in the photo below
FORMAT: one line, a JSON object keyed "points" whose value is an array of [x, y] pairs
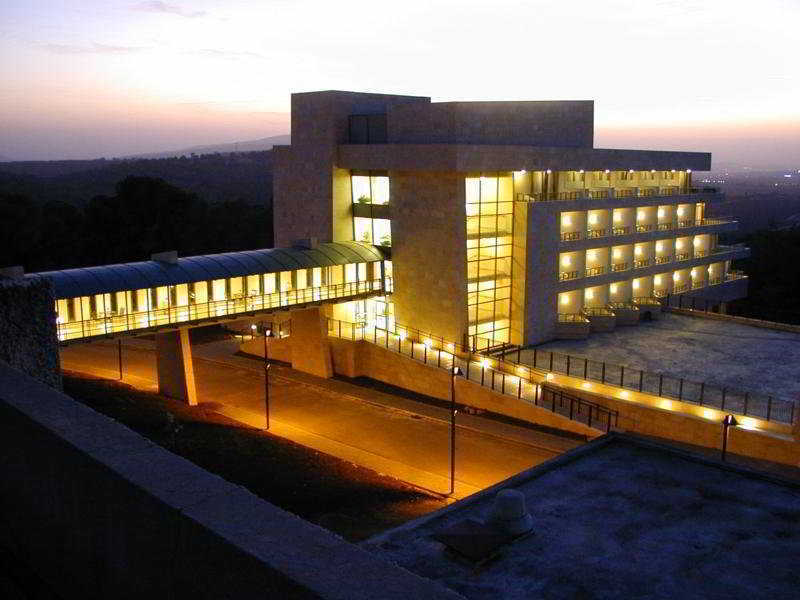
{"points": [[728, 422], [267, 333], [455, 373]]}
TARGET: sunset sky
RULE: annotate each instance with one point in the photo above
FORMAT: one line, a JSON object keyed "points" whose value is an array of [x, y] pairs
{"points": [[91, 78]]}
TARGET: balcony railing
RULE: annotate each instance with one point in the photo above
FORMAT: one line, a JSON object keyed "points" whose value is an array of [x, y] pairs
{"points": [[596, 233], [682, 256], [621, 230], [641, 264], [611, 192], [715, 280], [572, 318], [665, 226], [617, 267], [641, 228], [594, 271], [734, 275], [700, 253], [680, 287], [567, 276], [570, 236], [598, 311], [696, 285], [660, 260], [686, 223]]}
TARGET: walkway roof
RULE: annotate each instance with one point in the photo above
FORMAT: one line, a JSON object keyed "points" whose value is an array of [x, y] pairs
{"points": [[71, 283]]}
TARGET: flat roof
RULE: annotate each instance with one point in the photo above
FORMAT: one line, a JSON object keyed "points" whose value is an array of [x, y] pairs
{"points": [[485, 157], [722, 353], [71, 283], [623, 517]]}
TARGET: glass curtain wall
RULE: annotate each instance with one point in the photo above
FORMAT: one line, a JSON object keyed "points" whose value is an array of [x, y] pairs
{"points": [[103, 314], [489, 209], [370, 189]]}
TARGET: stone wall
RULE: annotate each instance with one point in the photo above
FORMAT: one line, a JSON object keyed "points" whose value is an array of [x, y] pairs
{"points": [[100, 512], [27, 328]]}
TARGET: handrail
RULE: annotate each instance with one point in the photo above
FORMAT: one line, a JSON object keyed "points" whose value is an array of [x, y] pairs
{"points": [[435, 351], [611, 192], [110, 324]]}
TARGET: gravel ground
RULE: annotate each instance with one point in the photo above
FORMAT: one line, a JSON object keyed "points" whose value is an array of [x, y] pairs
{"points": [[716, 352]]}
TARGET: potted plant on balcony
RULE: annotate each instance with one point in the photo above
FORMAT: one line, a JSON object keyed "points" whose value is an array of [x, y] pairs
{"points": [[364, 200]]}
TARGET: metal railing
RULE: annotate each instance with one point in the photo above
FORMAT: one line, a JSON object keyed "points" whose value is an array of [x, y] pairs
{"points": [[572, 318], [568, 275], [598, 311], [660, 260], [723, 398], [594, 271], [611, 192], [621, 230], [682, 256], [478, 368], [596, 233], [617, 267], [110, 324], [570, 236], [643, 227]]}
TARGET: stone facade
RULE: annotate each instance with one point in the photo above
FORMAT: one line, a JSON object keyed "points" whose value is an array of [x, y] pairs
{"points": [[27, 328]]}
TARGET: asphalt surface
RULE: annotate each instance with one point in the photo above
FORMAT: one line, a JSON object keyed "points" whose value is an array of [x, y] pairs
{"points": [[386, 433]]}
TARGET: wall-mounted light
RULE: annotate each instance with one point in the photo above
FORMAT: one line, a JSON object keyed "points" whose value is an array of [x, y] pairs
{"points": [[613, 288], [640, 215], [589, 294], [520, 172], [693, 273], [607, 171], [565, 261], [680, 211], [581, 171], [696, 241], [652, 170], [630, 170], [548, 171], [657, 279], [593, 218], [586, 385], [637, 250], [679, 244], [673, 170], [617, 216], [710, 269], [635, 284], [564, 299], [660, 213], [566, 220], [688, 170], [617, 253], [676, 276], [658, 246], [591, 254]]}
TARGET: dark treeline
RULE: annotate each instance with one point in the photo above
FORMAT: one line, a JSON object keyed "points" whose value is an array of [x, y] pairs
{"points": [[144, 215], [213, 177], [773, 269]]}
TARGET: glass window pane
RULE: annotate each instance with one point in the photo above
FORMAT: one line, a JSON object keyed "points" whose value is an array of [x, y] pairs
{"points": [[380, 190], [363, 229], [382, 231], [361, 191]]}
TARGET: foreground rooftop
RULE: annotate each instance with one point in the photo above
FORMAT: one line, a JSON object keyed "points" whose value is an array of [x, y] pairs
{"points": [[624, 518]]}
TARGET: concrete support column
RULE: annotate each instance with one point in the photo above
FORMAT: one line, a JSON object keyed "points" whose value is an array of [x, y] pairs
{"points": [[311, 351], [174, 366], [723, 308]]}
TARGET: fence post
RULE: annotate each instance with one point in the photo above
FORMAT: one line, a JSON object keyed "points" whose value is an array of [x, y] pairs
{"points": [[571, 407], [568, 359], [492, 379], [660, 383], [769, 407], [680, 390], [340, 330], [554, 400], [724, 390], [534, 358], [585, 367], [503, 385], [551, 360], [746, 399], [603, 377], [589, 420], [519, 354], [702, 391], [622, 376], [641, 378], [519, 389], [483, 374]]}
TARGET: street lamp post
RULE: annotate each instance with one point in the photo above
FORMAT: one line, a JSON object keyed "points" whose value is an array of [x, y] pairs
{"points": [[455, 373], [267, 333], [728, 422]]}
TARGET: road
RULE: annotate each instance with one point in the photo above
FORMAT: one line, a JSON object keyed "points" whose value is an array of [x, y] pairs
{"points": [[393, 435]]}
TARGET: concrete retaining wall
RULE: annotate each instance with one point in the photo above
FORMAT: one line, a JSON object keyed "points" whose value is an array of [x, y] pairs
{"points": [[667, 424], [100, 512], [355, 359], [28, 330]]}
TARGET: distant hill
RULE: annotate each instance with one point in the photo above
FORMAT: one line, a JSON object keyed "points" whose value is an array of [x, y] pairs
{"points": [[213, 177], [246, 146]]}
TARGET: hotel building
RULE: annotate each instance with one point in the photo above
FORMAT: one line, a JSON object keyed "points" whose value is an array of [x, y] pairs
{"points": [[500, 221]]}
